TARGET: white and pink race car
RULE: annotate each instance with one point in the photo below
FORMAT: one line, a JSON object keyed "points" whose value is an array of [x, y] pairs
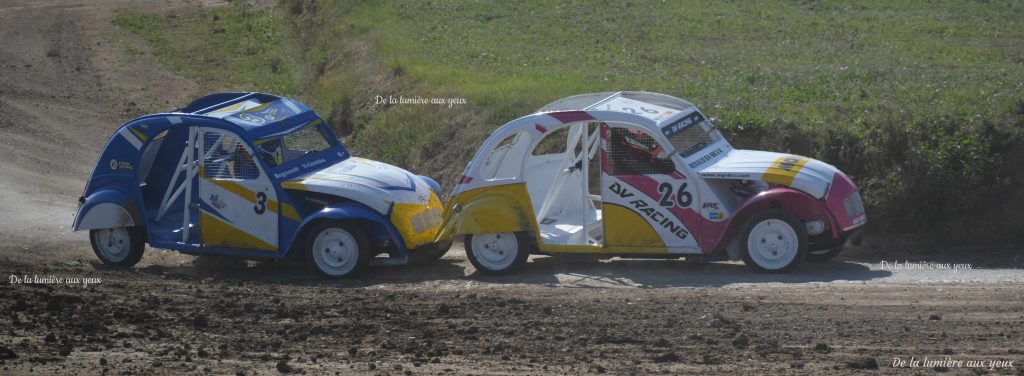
{"points": [[637, 174]]}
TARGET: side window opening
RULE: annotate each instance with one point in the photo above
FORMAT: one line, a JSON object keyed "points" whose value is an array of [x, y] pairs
{"points": [[506, 159], [552, 143], [225, 157], [633, 152], [146, 161]]}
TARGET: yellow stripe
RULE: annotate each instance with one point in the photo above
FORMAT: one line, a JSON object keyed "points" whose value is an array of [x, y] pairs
{"points": [[243, 192], [238, 190], [257, 108], [218, 233], [294, 184], [289, 212], [230, 108], [784, 170], [140, 135]]}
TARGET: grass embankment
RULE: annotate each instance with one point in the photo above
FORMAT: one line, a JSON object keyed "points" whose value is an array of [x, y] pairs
{"points": [[920, 102]]}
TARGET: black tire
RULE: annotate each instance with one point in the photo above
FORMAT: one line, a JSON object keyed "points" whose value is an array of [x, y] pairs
{"points": [[822, 256], [432, 252], [129, 254], [336, 247], [508, 264], [769, 218]]}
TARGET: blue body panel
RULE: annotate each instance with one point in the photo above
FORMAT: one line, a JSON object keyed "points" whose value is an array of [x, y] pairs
{"points": [[127, 176], [353, 210]]}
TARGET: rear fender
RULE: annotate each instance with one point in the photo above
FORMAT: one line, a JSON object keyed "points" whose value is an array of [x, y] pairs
{"points": [[503, 208], [107, 208]]}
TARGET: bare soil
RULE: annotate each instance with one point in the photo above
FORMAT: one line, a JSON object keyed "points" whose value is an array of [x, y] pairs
{"points": [[67, 82]]}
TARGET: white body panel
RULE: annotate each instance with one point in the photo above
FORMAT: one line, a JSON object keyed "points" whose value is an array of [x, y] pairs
{"points": [[105, 215], [812, 176], [374, 184]]}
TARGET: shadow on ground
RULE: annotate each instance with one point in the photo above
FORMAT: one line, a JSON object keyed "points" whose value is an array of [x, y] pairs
{"points": [[540, 270]]}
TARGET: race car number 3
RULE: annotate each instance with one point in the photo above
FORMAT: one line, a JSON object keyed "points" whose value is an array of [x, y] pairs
{"points": [[261, 203]]}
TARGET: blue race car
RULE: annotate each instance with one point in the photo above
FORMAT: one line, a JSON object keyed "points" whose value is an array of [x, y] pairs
{"points": [[253, 175]]}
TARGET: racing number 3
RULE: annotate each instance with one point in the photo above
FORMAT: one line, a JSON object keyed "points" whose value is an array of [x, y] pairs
{"points": [[261, 203], [683, 198]]}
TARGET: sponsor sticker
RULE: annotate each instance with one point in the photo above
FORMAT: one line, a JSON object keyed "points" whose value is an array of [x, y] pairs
{"points": [[117, 165], [705, 158]]}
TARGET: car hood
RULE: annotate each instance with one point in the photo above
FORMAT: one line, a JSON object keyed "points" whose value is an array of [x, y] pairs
{"points": [[805, 174], [375, 184]]}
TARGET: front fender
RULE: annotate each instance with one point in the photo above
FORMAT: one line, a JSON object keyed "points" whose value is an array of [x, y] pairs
{"points": [[107, 208], [354, 211], [800, 204]]}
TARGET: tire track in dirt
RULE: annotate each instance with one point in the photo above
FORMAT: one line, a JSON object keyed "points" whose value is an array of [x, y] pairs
{"points": [[66, 84]]}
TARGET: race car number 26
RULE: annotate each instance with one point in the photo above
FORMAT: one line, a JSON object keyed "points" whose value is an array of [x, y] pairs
{"points": [[682, 197]]}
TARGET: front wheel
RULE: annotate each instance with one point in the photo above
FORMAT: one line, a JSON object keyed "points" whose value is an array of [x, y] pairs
{"points": [[497, 253], [337, 249], [121, 246], [773, 242]]}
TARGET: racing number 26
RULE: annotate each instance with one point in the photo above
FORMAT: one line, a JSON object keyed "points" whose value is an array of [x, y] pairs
{"points": [[261, 203], [683, 198]]}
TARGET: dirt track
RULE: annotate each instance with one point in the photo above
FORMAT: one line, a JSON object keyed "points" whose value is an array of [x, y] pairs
{"points": [[66, 84]]}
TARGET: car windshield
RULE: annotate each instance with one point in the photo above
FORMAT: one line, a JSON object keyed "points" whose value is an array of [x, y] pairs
{"points": [[306, 140], [691, 133]]}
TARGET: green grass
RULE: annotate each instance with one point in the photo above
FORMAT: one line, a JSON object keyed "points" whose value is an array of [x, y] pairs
{"points": [[920, 101]]}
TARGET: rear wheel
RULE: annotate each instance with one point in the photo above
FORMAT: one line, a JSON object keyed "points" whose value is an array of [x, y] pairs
{"points": [[498, 253], [773, 242], [337, 249], [121, 246]]}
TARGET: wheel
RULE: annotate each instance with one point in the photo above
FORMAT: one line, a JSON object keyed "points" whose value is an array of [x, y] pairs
{"points": [[823, 255], [773, 242], [337, 249], [498, 253], [122, 246]]}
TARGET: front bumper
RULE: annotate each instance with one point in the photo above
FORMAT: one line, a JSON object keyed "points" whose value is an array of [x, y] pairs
{"points": [[847, 238]]}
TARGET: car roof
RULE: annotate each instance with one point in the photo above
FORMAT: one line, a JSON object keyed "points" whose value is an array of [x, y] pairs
{"points": [[250, 111], [593, 101]]}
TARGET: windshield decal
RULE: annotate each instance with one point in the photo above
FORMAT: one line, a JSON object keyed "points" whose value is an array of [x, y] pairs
{"points": [[705, 158], [678, 126]]}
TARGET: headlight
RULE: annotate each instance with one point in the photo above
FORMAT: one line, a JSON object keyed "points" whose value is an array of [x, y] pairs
{"points": [[426, 220], [854, 206]]}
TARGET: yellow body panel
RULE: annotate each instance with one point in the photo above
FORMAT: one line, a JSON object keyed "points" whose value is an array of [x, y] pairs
{"points": [[504, 208], [784, 170], [417, 223], [624, 227], [507, 208], [217, 233]]}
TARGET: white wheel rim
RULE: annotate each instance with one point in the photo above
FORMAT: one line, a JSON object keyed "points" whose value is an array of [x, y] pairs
{"points": [[113, 243], [495, 251], [773, 244], [335, 251]]}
